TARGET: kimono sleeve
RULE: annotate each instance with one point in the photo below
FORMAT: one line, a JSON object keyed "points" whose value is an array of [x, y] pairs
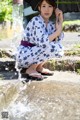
{"points": [[40, 38]]}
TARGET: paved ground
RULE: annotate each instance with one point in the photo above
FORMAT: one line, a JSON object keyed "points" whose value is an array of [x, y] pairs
{"points": [[55, 98], [59, 76], [71, 39]]}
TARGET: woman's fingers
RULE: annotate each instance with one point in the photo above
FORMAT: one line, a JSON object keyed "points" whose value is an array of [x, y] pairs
{"points": [[58, 12], [59, 15]]}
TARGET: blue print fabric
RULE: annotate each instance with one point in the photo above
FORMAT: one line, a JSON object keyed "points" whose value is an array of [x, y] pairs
{"points": [[36, 32]]}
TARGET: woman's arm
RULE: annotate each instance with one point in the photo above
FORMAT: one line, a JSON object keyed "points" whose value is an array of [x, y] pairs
{"points": [[56, 33], [59, 21]]}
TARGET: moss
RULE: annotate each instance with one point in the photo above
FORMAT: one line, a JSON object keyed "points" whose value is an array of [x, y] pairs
{"points": [[71, 22], [1, 77], [78, 71], [77, 46], [72, 52], [50, 64], [77, 67], [63, 65], [72, 26], [4, 54]]}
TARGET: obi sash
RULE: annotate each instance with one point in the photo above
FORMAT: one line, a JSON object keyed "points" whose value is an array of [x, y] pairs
{"points": [[26, 44]]}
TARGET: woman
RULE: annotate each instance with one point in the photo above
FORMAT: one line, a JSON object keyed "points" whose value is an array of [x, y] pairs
{"points": [[41, 40]]}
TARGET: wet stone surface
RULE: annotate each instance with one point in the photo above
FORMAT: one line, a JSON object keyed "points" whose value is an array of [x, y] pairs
{"points": [[47, 101], [8, 75], [55, 98]]}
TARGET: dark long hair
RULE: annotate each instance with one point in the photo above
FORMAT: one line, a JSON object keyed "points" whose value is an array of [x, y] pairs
{"points": [[51, 2]]}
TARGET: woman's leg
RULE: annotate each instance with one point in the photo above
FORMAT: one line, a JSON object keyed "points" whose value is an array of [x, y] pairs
{"points": [[43, 70], [40, 67]]}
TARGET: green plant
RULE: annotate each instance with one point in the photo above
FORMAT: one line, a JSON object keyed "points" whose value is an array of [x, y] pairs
{"points": [[5, 10], [78, 71], [68, 22], [77, 46]]}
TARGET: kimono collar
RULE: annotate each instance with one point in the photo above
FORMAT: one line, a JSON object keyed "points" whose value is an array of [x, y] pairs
{"points": [[42, 19]]}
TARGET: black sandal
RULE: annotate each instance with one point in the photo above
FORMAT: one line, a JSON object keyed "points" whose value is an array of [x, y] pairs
{"points": [[31, 77], [46, 73]]}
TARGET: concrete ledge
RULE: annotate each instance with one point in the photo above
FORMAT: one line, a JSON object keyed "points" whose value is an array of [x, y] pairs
{"points": [[71, 63]]}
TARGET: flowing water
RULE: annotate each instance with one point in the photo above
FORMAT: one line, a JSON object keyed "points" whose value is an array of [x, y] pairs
{"points": [[17, 16], [17, 27]]}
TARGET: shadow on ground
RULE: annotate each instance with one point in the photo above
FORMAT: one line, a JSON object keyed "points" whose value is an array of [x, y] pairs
{"points": [[7, 75]]}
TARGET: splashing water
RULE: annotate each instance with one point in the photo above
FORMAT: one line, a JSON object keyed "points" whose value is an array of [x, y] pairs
{"points": [[17, 16], [19, 110]]}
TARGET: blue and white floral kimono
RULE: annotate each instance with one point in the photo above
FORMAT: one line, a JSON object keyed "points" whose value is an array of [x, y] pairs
{"points": [[37, 33]]}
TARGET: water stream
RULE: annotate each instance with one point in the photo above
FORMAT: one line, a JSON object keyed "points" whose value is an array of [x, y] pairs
{"points": [[17, 27], [17, 16]]}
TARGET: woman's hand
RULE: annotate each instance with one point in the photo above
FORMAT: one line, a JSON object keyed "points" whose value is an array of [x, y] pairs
{"points": [[58, 25], [59, 20], [59, 15]]}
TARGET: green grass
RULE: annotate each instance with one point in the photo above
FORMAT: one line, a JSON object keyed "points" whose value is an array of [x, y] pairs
{"points": [[74, 51], [71, 22], [78, 71], [77, 46]]}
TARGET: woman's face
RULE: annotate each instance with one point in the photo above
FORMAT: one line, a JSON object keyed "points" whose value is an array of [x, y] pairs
{"points": [[46, 10]]}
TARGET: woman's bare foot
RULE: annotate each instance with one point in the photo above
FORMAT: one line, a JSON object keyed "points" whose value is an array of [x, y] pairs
{"points": [[31, 71]]}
